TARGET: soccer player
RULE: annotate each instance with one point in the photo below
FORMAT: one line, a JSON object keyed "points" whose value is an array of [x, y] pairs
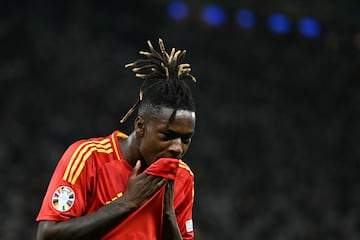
{"points": [[136, 186]]}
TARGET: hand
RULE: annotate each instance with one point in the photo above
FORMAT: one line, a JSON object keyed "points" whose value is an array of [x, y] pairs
{"points": [[141, 187], [169, 198], [170, 226]]}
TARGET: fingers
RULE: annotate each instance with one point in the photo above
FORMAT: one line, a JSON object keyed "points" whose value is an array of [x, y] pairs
{"points": [[142, 186], [161, 183], [136, 169], [153, 183]]}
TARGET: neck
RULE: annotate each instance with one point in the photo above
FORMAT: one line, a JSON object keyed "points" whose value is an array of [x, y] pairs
{"points": [[129, 149]]}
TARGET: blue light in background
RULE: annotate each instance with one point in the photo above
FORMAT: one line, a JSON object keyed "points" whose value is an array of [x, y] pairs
{"points": [[213, 15], [177, 10], [309, 27], [245, 18], [279, 23]]}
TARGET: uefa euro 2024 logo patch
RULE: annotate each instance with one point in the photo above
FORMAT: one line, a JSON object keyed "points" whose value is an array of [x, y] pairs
{"points": [[63, 198]]}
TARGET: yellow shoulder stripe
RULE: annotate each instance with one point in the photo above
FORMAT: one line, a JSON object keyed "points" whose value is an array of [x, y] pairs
{"points": [[185, 166], [81, 154]]}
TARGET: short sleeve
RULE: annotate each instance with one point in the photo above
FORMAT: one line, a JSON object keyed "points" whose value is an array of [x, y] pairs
{"points": [[65, 199]]}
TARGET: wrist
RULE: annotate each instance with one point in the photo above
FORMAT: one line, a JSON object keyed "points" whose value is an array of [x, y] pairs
{"points": [[123, 205], [169, 213]]}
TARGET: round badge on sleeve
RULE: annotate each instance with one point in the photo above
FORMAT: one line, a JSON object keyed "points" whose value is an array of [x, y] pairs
{"points": [[63, 198]]}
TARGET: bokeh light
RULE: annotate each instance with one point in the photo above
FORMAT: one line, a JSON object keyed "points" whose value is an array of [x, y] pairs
{"points": [[279, 23], [309, 27], [246, 18], [177, 10], [213, 15]]}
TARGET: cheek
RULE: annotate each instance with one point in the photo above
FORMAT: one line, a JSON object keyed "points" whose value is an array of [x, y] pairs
{"points": [[156, 148], [185, 148], [151, 147]]}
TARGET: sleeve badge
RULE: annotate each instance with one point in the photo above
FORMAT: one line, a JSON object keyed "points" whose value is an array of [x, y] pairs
{"points": [[63, 198]]}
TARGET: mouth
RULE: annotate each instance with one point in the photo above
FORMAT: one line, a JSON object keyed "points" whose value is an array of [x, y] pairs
{"points": [[148, 162]]}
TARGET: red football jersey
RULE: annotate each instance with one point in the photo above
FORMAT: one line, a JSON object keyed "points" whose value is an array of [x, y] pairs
{"points": [[92, 173]]}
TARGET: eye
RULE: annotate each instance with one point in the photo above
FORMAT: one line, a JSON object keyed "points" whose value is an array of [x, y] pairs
{"points": [[165, 136], [186, 140]]}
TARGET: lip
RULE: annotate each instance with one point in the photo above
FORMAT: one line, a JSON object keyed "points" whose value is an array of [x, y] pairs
{"points": [[152, 160], [170, 156]]}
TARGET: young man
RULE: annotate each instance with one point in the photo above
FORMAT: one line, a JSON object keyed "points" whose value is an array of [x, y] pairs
{"points": [[136, 186]]}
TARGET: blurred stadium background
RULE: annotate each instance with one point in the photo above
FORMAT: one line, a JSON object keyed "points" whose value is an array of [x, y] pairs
{"points": [[276, 153]]}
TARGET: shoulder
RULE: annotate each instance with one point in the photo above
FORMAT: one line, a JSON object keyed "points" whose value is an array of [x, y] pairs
{"points": [[78, 155], [184, 182], [184, 171], [185, 168], [82, 149], [88, 144]]}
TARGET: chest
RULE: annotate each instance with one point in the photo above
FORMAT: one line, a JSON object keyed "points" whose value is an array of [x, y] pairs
{"points": [[108, 184]]}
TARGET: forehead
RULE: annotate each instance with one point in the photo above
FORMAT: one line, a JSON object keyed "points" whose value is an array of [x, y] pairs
{"points": [[184, 120]]}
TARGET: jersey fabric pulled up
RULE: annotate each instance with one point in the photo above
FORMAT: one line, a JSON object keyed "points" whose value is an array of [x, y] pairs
{"points": [[93, 173]]}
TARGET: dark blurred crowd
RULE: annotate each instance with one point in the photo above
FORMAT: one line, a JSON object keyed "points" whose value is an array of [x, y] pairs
{"points": [[276, 151]]}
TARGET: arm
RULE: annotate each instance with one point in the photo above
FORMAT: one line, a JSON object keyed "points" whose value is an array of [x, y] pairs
{"points": [[171, 229], [184, 200], [92, 226], [97, 224]]}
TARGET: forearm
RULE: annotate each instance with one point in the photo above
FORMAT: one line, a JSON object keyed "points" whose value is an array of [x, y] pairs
{"points": [[92, 226], [171, 229]]}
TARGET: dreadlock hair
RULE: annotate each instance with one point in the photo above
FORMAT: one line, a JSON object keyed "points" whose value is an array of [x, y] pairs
{"points": [[164, 81]]}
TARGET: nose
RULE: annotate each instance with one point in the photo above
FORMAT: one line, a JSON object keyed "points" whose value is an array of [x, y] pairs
{"points": [[176, 148]]}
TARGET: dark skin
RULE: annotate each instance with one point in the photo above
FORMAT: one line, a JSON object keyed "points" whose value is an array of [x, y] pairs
{"points": [[153, 138]]}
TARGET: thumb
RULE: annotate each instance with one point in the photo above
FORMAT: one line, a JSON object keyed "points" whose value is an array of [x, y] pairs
{"points": [[136, 169]]}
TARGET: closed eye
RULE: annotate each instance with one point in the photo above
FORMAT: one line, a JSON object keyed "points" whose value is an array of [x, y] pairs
{"points": [[186, 140], [169, 135], [165, 137]]}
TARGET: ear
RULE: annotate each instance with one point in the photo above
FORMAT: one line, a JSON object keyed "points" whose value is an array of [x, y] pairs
{"points": [[139, 126]]}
